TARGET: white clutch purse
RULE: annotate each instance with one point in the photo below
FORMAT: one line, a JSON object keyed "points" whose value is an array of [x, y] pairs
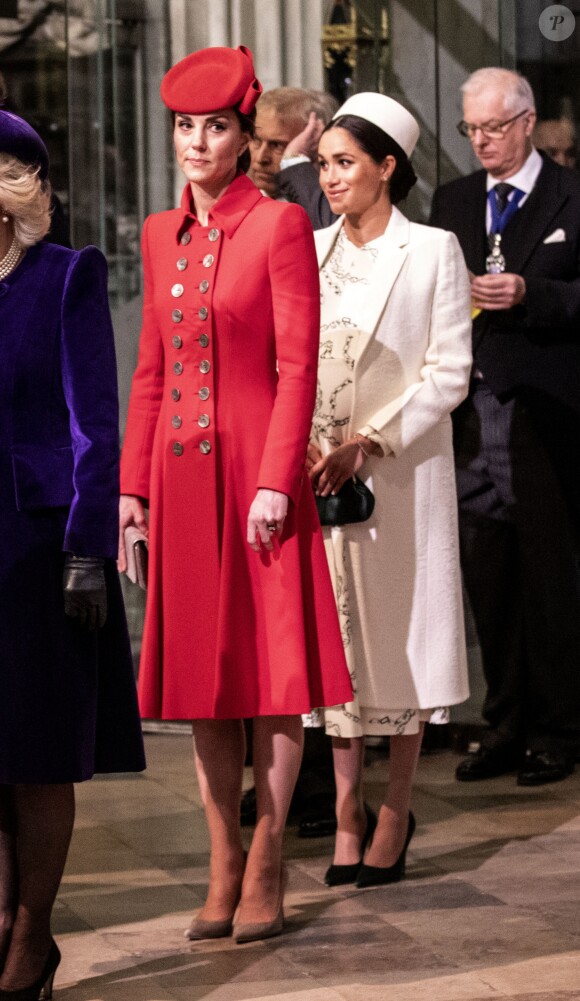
{"points": [[137, 551]]}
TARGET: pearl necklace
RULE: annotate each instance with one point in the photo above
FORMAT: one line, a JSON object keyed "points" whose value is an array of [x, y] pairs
{"points": [[12, 259]]}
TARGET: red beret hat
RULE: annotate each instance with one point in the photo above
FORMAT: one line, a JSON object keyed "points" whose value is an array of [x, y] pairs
{"points": [[212, 79], [18, 138]]}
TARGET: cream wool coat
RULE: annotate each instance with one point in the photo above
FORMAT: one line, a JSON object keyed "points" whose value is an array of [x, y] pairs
{"points": [[412, 370]]}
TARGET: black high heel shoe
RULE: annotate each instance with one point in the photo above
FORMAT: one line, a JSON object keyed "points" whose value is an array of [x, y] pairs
{"points": [[380, 875], [41, 989], [338, 875]]}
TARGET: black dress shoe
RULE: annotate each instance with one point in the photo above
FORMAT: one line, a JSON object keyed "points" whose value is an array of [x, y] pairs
{"points": [[486, 763], [381, 875], [248, 808], [541, 767], [339, 875], [317, 818]]}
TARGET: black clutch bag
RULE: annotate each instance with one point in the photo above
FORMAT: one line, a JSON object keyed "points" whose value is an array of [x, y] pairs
{"points": [[353, 502]]}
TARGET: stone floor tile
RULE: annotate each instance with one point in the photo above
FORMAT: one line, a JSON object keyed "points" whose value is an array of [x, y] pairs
{"points": [[488, 911]]}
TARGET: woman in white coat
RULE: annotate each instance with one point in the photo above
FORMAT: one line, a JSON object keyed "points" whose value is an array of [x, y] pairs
{"points": [[394, 362]]}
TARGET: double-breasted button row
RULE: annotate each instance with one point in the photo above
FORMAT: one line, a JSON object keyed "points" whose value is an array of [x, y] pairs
{"points": [[203, 421], [204, 447], [177, 342]]}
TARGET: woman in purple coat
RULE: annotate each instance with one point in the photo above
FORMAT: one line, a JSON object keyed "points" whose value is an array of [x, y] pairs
{"points": [[67, 699]]}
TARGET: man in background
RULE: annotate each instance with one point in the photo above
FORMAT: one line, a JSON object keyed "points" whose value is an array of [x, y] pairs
{"points": [[517, 435], [557, 138], [282, 115]]}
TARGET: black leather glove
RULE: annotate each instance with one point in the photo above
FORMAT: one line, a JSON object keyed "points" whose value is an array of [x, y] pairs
{"points": [[85, 590]]}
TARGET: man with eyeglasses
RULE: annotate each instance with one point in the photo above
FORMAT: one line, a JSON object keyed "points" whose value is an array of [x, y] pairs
{"points": [[517, 436]]}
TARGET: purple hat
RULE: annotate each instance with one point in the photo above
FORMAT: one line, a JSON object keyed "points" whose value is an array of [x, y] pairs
{"points": [[18, 138]]}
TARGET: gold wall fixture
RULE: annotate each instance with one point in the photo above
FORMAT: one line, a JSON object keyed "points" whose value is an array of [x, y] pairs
{"points": [[355, 37]]}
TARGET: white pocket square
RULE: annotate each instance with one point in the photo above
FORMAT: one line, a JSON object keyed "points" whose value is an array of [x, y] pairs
{"points": [[558, 236]]}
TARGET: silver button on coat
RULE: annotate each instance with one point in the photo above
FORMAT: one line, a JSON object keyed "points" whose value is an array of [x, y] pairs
{"points": [[204, 393], [202, 313], [204, 366], [203, 341], [177, 448], [208, 260], [178, 368], [176, 341], [185, 239], [176, 290], [177, 316], [175, 395], [213, 235], [176, 422], [203, 286], [182, 264], [203, 420], [205, 446]]}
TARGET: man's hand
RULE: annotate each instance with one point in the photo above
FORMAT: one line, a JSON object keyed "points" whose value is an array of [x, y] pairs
{"points": [[306, 142], [497, 291]]}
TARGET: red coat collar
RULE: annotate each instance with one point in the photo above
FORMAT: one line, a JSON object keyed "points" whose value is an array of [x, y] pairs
{"points": [[228, 213]]}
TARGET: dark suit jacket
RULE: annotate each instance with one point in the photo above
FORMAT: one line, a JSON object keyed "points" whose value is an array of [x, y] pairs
{"points": [[533, 348], [300, 184]]}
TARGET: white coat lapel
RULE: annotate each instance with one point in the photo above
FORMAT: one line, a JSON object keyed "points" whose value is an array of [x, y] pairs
{"points": [[393, 251], [325, 239]]}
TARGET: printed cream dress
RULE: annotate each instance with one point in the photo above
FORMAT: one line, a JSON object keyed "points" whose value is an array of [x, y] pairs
{"points": [[342, 291]]}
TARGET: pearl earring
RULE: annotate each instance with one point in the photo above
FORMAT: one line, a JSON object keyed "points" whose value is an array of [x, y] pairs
{"points": [[4, 218]]}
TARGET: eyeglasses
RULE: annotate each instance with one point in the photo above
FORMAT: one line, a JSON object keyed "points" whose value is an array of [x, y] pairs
{"points": [[491, 130]]}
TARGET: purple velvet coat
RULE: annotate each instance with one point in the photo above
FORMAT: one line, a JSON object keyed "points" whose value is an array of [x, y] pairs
{"points": [[58, 392], [67, 698]]}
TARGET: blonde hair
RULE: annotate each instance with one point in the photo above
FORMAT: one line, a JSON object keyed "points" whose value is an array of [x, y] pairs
{"points": [[25, 198]]}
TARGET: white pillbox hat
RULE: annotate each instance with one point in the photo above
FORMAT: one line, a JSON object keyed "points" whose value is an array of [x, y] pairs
{"points": [[387, 114]]}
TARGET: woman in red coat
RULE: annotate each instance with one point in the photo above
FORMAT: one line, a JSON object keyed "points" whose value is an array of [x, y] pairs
{"points": [[241, 620]]}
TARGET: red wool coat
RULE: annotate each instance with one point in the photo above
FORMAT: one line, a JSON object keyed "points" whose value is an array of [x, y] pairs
{"points": [[221, 404]]}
